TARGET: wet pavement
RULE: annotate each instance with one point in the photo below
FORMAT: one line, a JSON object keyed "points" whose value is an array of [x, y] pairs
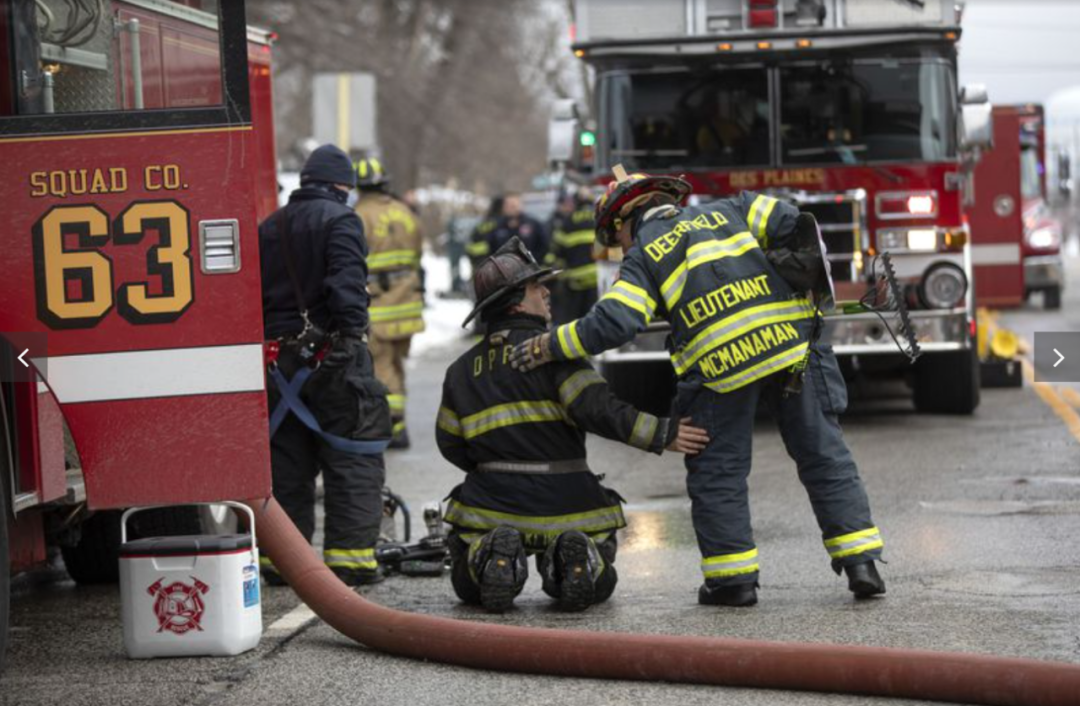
{"points": [[980, 517]]}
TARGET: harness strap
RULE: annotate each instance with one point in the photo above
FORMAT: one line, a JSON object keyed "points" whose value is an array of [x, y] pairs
{"points": [[291, 402]]}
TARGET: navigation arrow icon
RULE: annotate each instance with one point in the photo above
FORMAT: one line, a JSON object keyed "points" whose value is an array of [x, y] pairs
{"points": [[27, 365], [1060, 357]]}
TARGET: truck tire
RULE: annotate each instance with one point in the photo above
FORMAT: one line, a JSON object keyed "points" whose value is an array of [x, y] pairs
{"points": [[947, 383], [648, 385], [1052, 299], [96, 557]]}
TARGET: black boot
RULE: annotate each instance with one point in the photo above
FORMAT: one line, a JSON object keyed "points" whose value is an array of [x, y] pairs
{"points": [[864, 580], [360, 577], [400, 440], [501, 567], [737, 596], [570, 569]]}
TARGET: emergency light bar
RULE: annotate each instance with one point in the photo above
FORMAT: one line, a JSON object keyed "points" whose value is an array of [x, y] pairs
{"points": [[906, 204]]}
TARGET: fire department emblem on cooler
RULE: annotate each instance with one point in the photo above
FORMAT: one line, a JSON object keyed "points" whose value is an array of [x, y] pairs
{"points": [[179, 607]]}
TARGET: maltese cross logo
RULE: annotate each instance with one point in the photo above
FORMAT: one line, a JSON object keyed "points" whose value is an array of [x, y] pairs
{"points": [[178, 606]]}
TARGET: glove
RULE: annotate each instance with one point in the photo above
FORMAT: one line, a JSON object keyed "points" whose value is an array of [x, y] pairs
{"points": [[532, 353], [345, 349]]}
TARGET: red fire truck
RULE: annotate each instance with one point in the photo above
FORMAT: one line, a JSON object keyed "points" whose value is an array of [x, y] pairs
{"points": [[1017, 249], [138, 151], [849, 109]]}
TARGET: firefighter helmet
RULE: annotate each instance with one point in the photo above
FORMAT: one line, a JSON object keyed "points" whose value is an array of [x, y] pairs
{"points": [[506, 272], [627, 193], [370, 174]]}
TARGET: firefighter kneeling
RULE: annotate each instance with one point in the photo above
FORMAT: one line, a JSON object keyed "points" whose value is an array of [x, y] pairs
{"points": [[521, 439]]}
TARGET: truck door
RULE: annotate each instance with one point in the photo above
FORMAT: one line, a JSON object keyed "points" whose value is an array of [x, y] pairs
{"points": [[130, 240]]}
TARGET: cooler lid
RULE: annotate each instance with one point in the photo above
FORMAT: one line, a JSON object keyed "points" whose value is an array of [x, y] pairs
{"points": [[186, 545]]}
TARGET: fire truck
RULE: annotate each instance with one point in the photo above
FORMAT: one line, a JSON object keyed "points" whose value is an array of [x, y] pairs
{"points": [[1018, 239], [850, 110], [138, 151]]}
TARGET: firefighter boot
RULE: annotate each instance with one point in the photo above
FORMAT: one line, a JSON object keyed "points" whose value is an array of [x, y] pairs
{"points": [[400, 440], [570, 567], [498, 563], [864, 580], [738, 596]]}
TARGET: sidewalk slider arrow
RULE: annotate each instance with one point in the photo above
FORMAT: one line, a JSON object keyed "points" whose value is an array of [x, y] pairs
{"points": [[1060, 357], [25, 364]]}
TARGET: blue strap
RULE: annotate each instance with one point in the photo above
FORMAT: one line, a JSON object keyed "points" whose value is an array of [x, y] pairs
{"points": [[291, 402]]}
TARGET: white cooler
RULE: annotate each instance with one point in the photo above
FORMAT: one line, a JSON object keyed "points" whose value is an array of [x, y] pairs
{"points": [[192, 595]]}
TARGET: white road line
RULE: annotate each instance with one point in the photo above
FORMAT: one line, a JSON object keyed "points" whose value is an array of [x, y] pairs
{"points": [[293, 620]]}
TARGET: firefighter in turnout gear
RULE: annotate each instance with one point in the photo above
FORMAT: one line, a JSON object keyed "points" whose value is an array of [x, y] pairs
{"points": [[738, 328], [521, 441], [395, 242], [508, 220], [572, 252], [315, 307]]}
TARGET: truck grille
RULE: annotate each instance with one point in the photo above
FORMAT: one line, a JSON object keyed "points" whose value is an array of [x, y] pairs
{"points": [[842, 219]]}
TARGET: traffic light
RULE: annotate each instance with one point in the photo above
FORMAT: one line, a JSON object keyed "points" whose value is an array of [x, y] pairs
{"points": [[588, 138]]}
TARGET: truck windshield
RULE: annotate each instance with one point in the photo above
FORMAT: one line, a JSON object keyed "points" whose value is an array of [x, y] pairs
{"points": [[866, 111], [1030, 172], [687, 119]]}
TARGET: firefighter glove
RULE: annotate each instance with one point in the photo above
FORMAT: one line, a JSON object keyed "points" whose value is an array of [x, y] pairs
{"points": [[532, 353], [346, 348]]}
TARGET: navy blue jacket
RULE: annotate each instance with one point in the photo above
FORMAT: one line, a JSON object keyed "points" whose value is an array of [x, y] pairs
{"points": [[330, 253]]}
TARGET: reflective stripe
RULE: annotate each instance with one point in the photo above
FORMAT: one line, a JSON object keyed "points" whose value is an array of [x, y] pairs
{"points": [[265, 563], [574, 238], [511, 413], [397, 402], [699, 254], [478, 249], [854, 543], [573, 386], [600, 520], [569, 341], [392, 258], [581, 274], [633, 297], [730, 564], [737, 324], [760, 210], [350, 558], [762, 369], [644, 431], [411, 310], [449, 421]]}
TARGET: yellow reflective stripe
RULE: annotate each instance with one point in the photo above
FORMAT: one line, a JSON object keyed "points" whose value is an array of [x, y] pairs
{"points": [[397, 402], [350, 558], [730, 564], [449, 422], [633, 297], [758, 218], [574, 238], [737, 324], [644, 431], [398, 427], [569, 342], [854, 543], [576, 383], [393, 313], [672, 289], [762, 369], [599, 520], [511, 413], [392, 258], [699, 254], [478, 248], [580, 273]]}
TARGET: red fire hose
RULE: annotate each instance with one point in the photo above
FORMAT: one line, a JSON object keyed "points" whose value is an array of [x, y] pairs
{"points": [[916, 674]]}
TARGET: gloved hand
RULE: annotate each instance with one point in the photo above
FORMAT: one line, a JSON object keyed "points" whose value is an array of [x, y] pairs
{"points": [[532, 353], [345, 349]]}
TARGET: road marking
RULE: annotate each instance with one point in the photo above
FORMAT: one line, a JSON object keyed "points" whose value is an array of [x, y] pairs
{"points": [[293, 620], [1070, 395], [1061, 408]]}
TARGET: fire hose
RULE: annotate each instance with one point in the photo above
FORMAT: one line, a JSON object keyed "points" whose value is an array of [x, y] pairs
{"points": [[876, 671]]}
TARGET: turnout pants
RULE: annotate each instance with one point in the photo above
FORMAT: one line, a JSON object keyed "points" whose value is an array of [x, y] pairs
{"points": [[389, 357], [811, 433], [345, 401]]}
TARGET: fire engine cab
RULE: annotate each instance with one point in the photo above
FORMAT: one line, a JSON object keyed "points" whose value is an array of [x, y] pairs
{"points": [[850, 110], [138, 151]]}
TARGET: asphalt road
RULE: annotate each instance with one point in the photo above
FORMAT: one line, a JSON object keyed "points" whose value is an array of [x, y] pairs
{"points": [[980, 517]]}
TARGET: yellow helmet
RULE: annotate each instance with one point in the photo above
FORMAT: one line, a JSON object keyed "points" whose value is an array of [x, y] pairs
{"points": [[370, 174]]}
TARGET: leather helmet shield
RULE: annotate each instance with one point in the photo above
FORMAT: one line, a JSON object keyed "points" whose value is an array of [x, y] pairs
{"points": [[511, 267]]}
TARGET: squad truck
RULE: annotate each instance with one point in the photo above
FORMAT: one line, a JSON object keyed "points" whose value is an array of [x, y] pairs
{"points": [[138, 151], [850, 110]]}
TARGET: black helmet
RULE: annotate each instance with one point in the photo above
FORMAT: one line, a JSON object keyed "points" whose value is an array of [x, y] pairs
{"points": [[370, 174], [509, 270], [328, 164]]}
